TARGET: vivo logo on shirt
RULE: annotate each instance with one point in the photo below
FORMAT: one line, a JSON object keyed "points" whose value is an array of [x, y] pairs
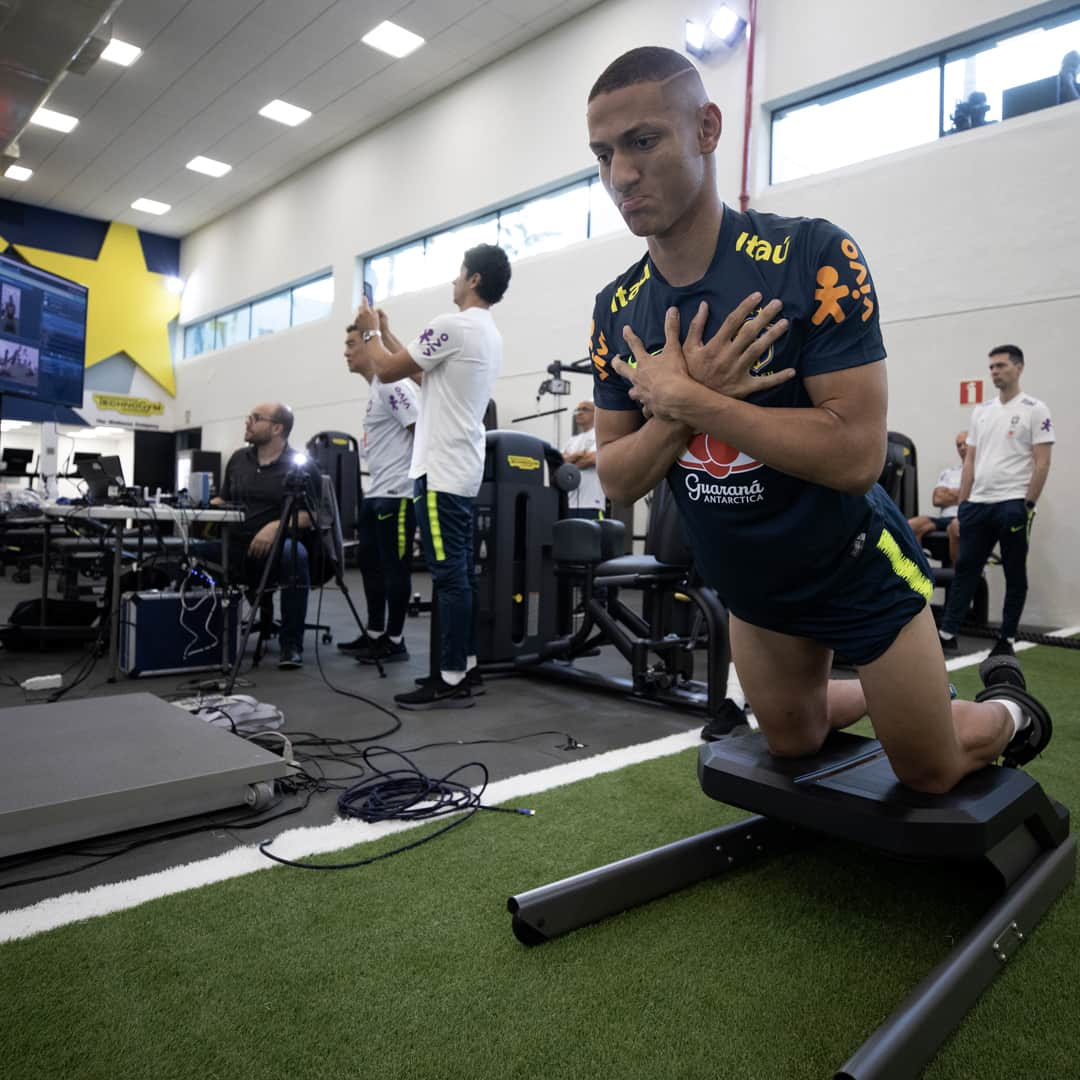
{"points": [[431, 343]]}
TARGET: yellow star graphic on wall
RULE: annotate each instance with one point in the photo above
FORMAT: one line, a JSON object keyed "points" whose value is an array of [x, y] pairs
{"points": [[130, 308]]}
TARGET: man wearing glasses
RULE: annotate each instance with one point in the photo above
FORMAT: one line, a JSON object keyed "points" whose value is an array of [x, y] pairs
{"points": [[588, 500], [255, 479]]}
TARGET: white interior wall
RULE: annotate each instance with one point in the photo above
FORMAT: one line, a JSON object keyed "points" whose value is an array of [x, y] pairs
{"points": [[971, 240]]}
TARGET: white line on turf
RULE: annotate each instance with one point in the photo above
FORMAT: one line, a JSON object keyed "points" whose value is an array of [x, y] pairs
{"points": [[302, 843]]}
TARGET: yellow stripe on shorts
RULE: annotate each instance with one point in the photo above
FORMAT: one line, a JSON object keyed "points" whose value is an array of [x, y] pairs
{"points": [[401, 528], [904, 568], [434, 526]]}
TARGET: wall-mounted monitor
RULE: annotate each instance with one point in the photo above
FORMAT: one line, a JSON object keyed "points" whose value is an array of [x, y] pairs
{"points": [[42, 334]]}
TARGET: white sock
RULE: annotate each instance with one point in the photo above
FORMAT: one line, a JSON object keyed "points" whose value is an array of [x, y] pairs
{"points": [[1020, 718], [452, 678], [470, 663], [395, 640], [944, 636]]}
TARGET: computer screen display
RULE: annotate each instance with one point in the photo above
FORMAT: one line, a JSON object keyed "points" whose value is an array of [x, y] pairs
{"points": [[42, 334], [15, 461]]}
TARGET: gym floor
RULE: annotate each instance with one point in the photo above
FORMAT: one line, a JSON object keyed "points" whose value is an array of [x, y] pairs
{"points": [[537, 714]]}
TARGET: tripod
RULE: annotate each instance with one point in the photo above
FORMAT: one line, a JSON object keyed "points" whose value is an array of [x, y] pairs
{"points": [[297, 501]]}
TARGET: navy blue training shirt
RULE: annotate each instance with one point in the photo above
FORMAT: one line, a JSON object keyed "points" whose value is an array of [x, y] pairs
{"points": [[766, 541]]}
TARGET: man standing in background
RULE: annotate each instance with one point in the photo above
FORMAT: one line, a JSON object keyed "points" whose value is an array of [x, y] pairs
{"points": [[387, 518], [460, 354], [1006, 466], [587, 500]]}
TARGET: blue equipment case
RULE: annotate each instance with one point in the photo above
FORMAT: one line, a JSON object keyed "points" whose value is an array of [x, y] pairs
{"points": [[167, 633]]}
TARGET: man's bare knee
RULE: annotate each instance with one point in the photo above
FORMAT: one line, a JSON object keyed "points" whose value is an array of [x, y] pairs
{"points": [[795, 744], [927, 778]]}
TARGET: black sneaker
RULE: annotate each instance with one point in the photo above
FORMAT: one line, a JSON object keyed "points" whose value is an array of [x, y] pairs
{"points": [[385, 651], [1002, 669], [291, 658], [359, 645], [437, 694], [731, 720], [473, 680], [1030, 741], [950, 646], [1003, 647]]}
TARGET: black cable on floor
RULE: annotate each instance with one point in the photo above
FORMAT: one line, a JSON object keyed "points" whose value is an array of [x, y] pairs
{"points": [[405, 794]]}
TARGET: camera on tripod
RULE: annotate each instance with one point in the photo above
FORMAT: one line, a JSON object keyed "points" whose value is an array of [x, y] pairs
{"points": [[556, 385]]}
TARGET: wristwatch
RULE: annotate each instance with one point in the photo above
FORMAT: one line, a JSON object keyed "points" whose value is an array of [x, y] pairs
{"points": [[1029, 505], [367, 335]]}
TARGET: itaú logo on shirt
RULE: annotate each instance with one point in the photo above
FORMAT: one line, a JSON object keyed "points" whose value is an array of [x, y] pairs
{"points": [[704, 453]]}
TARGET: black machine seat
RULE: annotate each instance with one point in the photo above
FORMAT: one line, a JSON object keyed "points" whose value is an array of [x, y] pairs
{"points": [[636, 569], [849, 790]]}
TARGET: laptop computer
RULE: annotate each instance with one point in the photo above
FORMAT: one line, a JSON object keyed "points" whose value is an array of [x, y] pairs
{"points": [[100, 474]]}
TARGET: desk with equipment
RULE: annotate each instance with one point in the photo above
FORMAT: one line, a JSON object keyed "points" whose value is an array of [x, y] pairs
{"points": [[118, 516]]}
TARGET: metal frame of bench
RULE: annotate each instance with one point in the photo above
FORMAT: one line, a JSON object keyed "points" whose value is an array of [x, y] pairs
{"points": [[996, 816]]}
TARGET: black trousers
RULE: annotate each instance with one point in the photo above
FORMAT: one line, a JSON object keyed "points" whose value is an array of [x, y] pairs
{"points": [[982, 525], [386, 531]]}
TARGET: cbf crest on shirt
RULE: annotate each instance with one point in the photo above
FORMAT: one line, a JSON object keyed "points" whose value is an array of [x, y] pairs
{"points": [[754, 529]]}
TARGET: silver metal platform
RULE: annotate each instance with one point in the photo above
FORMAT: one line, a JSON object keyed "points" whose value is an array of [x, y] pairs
{"points": [[78, 769]]}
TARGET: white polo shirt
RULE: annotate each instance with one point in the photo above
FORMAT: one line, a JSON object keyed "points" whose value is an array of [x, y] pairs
{"points": [[589, 494], [392, 409], [461, 355], [1003, 435]]}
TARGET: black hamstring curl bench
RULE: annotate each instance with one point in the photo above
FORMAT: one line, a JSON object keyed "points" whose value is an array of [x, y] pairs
{"points": [[997, 817]]}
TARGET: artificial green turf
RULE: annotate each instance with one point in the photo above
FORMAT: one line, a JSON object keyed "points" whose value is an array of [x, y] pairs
{"points": [[408, 968]]}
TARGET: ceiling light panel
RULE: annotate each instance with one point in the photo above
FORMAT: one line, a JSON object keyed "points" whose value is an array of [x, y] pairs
{"points": [[208, 166], [284, 113], [120, 52], [390, 38], [55, 121], [151, 206], [18, 172]]}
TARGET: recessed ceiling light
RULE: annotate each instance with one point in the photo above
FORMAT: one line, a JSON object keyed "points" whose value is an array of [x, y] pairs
{"points": [[120, 52], [175, 285], [284, 113], [18, 172], [208, 166], [151, 206], [390, 38], [57, 121]]}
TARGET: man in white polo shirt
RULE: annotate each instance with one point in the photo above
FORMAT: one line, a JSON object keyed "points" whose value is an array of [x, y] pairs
{"points": [[387, 519], [587, 500], [1006, 466], [460, 354]]}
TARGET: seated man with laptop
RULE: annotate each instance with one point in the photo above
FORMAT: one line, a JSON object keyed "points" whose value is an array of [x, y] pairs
{"points": [[256, 478]]}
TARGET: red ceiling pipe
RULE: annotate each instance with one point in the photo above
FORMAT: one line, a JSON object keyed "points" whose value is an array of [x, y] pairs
{"points": [[744, 194]]}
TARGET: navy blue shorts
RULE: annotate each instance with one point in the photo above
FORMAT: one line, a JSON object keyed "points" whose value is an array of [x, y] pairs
{"points": [[884, 583]]}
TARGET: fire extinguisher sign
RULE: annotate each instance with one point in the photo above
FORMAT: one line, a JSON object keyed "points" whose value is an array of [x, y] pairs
{"points": [[971, 392]]}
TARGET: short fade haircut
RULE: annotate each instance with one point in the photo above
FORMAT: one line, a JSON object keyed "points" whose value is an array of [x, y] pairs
{"points": [[283, 415], [493, 266], [649, 63], [1014, 352]]}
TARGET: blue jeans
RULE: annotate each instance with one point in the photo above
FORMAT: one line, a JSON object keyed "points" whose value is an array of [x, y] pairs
{"points": [[446, 529], [292, 573], [981, 526]]}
